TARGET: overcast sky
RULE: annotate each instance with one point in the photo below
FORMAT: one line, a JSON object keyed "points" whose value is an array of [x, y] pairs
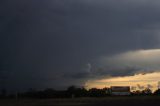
{"points": [[58, 43]]}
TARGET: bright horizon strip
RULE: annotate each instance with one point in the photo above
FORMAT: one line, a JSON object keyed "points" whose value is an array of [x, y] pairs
{"points": [[145, 61], [141, 79]]}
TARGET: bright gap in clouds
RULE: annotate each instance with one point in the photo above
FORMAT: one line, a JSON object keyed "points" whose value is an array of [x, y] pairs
{"points": [[138, 82], [139, 57], [143, 71], [140, 61]]}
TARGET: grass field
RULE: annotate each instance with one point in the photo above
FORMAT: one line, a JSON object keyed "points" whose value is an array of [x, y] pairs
{"points": [[108, 101]]}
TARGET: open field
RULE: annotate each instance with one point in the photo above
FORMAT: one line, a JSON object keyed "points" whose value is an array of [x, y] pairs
{"points": [[108, 101]]}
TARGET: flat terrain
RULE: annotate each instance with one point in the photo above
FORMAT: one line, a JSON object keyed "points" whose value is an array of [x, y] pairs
{"points": [[108, 101]]}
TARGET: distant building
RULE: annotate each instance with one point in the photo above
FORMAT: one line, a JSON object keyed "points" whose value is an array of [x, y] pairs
{"points": [[120, 90]]}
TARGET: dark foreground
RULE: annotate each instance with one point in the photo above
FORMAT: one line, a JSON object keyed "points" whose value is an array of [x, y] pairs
{"points": [[108, 101]]}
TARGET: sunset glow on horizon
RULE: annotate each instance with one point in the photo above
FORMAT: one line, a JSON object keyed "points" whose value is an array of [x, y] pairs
{"points": [[138, 82], [138, 69]]}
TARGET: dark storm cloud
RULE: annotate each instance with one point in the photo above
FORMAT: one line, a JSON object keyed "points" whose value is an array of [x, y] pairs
{"points": [[112, 27], [47, 43]]}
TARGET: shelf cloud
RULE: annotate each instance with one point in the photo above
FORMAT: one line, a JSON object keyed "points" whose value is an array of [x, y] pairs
{"points": [[57, 43]]}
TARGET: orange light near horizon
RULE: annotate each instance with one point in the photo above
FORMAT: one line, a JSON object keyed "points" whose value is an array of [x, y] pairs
{"points": [[143, 80]]}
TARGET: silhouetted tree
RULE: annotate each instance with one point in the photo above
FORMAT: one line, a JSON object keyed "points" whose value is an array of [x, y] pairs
{"points": [[147, 91], [157, 92], [49, 93], [107, 91], [137, 92], [94, 92], [76, 92]]}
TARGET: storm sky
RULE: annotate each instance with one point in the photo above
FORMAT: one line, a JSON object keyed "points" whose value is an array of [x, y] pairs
{"points": [[58, 43]]}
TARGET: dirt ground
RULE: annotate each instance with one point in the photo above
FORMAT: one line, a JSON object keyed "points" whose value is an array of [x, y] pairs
{"points": [[108, 101]]}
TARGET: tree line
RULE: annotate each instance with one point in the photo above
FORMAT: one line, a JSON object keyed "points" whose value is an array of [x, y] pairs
{"points": [[72, 92]]}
